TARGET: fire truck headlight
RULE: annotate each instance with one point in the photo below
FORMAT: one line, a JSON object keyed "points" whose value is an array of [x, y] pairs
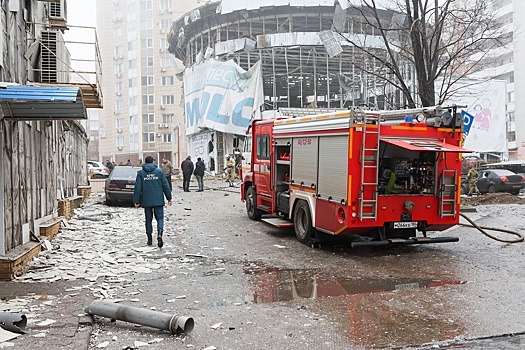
{"points": [[409, 205]]}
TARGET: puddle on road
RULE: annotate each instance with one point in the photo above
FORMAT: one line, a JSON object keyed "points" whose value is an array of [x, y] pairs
{"points": [[273, 285], [372, 312]]}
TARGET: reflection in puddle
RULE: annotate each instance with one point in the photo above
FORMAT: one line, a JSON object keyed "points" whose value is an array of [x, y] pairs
{"points": [[367, 310], [282, 285]]}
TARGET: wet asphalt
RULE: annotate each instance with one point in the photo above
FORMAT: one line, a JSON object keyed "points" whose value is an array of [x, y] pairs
{"points": [[248, 285]]}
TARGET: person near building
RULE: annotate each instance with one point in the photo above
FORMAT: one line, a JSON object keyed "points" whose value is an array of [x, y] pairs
{"points": [[199, 173], [128, 163], [230, 170], [151, 187], [472, 177], [109, 165], [167, 169], [187, 170]]}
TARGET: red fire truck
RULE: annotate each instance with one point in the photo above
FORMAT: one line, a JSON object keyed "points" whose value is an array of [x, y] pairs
{"points": [[381, 176]]}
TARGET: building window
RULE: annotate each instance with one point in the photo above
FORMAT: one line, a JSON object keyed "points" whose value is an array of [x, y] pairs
{"points": [[168, 99], [166, 137], [510, 97], [164, 43], [166, 5], [166, 24], [119, 123], [131, 83], [148, 118], [120, 141], [132, 64], [166, 62], [148, 99], [118, 87], [168, 80], [118, 32], [147, 43], [148, 80], [147, 61], [118, 68], [117, 15], [148, 137], [119, 105], [146, 24], [132, 101], [167, 118], [146, 5], [119, 51]]}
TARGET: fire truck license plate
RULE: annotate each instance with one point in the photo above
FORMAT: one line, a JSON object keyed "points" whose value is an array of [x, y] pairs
{"points": [[405, 224], [130, 186]]}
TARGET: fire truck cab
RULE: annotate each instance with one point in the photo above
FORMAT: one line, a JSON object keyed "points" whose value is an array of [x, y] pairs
{"points": [[382, 176]]}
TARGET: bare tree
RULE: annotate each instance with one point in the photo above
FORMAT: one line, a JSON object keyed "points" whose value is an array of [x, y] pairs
{"points": [[443, 40]]}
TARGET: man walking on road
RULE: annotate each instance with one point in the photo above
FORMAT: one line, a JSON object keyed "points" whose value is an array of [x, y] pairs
{"points": [[187, 170], [167, 169], [151, 187]]}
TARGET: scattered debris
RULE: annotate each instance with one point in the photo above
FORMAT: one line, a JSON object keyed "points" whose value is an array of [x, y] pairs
{"points": [[46, 322], [492, 198], [216, 326], [103, 345], [6, 335], [279, 246]]}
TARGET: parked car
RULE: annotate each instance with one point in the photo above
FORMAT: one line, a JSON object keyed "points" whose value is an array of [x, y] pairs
{"points": [[500, 180], [97, 170], [120, 184]]}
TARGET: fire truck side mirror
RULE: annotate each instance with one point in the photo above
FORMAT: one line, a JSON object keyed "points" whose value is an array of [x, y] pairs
{"points": [[302, 183], [312, 186]]}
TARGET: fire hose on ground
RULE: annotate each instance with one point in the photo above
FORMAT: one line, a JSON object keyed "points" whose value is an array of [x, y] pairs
{"points": [[484, 229]]}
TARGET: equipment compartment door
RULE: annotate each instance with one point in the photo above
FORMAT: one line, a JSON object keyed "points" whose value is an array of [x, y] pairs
{"points": [[304, 161]]}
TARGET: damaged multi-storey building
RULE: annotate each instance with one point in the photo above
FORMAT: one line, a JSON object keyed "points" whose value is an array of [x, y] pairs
{"points": [[42, 145], [297, 53]]}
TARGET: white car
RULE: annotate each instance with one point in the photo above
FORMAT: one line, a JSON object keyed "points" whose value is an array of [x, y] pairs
{"points": [[97, 170]]}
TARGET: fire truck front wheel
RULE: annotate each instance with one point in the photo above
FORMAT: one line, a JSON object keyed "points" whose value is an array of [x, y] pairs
{"points": [[302, 221], [251, 204]]}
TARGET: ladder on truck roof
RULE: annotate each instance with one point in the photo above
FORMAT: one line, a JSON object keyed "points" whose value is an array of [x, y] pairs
{"points": [[369, 159]]}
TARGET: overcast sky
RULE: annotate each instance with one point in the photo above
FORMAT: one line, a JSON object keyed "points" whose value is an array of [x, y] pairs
{"points": [[81, 13]]}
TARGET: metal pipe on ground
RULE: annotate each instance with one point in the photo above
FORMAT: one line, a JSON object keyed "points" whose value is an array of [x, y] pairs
{"points": [[13, 322], [173, 323]]}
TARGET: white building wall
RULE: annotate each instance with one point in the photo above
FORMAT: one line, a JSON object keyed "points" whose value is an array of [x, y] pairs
{"points": [[121, 23], [519, 76]]}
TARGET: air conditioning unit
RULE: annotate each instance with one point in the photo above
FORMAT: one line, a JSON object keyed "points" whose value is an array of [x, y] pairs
{"points": [[163, 69], [165, 125], [115, 113], [119, 75], [162, 107], [119, 93], [161, 50], [160, 125], [120, 148], [117, 19], [119, 130], [170, 11], [163, 31], [121, 56], [161, 12], [158, 135]]}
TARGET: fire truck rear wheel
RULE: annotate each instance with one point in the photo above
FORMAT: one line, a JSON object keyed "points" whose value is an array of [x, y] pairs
{"points": [[302, 221], [251, 202]]}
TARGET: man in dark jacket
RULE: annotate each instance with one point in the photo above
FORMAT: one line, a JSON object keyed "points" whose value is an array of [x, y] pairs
{"points": [[150, 188], [187, 170], [199, 173]]}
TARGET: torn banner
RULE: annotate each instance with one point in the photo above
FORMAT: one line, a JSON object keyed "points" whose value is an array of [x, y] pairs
{"points": [[221, 96]]}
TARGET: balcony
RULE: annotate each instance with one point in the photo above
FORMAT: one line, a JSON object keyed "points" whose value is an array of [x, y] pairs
{"points": [[56, 60]]}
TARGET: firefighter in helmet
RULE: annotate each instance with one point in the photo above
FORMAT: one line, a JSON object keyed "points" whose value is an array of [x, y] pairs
{"points": [[472, 176], [230, 169]]}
